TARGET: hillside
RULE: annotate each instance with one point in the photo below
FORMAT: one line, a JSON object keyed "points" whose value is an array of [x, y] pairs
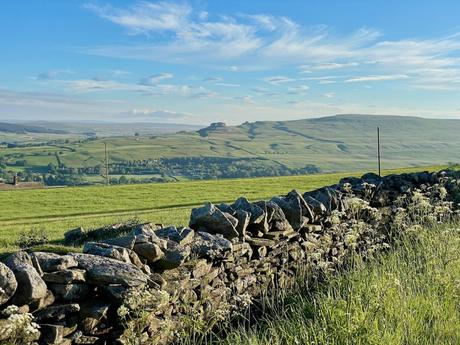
{"points": [[328, 144], [22, 128]]}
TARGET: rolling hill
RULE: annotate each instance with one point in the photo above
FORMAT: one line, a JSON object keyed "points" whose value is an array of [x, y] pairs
{"points": [[328, 144]]}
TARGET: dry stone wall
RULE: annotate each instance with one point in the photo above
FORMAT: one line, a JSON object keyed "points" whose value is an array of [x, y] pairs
{"points": [[150, 282]]}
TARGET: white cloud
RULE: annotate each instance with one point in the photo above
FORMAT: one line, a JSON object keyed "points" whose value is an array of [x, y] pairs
{"points": [[298, 90], [377, 78], [155, 79], [329, 66], [145, 16], [263, 42], [145, 114], [213, 79], [276, 80]]}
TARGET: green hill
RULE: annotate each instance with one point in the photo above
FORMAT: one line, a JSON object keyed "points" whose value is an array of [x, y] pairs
{"points": [[328, 144]]}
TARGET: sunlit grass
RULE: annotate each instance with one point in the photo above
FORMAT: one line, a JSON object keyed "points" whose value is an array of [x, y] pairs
{"points": [[57, 210], [408, 296]]}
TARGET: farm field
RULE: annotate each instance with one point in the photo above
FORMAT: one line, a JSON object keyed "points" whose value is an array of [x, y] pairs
{"points": [[262, 148], [56, 210]]}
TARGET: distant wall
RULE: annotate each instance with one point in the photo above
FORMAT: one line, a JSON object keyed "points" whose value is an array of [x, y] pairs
{"points": [[226, 259], [21, 185]]}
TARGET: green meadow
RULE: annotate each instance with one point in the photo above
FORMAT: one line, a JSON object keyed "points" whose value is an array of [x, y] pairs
{"points": [[52, 211]]}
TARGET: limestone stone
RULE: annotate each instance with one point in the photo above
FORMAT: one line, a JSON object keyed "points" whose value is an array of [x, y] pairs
{"points": [[66, 276], [8, 283], [149, 251], [50, 262], [210, 219], [101, 270]]}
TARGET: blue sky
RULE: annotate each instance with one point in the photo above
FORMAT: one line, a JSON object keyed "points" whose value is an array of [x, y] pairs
{"points": [[233, 61]]}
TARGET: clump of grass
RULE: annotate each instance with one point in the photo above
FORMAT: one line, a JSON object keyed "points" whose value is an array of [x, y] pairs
{"points": [[31, 238], [408, 296]]}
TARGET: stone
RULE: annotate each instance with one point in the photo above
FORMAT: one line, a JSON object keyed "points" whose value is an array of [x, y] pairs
{"points": [[211, 246], [212, 220], [31, 287], [169, 233], [187, 235], [158, 279], [50, 262], [226, 208], [44, 302], [330, 197], [201, 268], [147, 233], [257, 213], [51, 334], [65, 276], [276, 218], [57, 312], [261, 226], [306, 210], [277, 235], [70, 292], [261, 242], [149, 251], [107, 250], [75, 236], [8, 283], [292, 209], [101, 270], [91, 315], [116, 293], [174, 256], [18, 259], [182, 236], [318, 207], [125, 241], [85, 340], [243, 218]]}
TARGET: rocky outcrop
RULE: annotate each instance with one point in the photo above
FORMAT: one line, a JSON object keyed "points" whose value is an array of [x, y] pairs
{"points": [[225, 259]]}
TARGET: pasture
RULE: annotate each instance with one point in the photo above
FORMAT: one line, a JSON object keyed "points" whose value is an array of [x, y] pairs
{"points": [[55, 210]]}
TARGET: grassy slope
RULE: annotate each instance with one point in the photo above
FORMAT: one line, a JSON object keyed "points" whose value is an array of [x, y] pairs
{"points": [[54, 211], [339, 143], [410, 296]]}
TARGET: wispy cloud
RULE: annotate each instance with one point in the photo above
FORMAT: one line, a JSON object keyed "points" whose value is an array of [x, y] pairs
{"points": [[263, 41], [155, 79], [276, 80], [298, 90], [146, 114], [377, 78], [145, 17], [48, 75]]}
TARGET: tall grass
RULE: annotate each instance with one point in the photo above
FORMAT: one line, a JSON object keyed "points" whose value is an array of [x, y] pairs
{"points": [[408, 296]]}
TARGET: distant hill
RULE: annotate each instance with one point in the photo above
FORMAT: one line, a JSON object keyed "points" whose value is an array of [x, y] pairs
{"points": [[262, 148], [22, 128], [106, 129]]}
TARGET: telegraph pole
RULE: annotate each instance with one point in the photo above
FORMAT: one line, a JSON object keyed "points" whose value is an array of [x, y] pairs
{"points": [[378, 150], [106, 165]]}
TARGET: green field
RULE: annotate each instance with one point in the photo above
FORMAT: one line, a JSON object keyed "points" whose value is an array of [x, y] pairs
{"points": [[329, 144], [408, 296], [56, 210]]}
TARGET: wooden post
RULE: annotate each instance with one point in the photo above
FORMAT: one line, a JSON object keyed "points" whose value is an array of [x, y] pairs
{"points": [[107, 181], [378, 150]]}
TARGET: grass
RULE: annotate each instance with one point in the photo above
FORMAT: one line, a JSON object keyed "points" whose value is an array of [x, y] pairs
{"points": [[408, 296], [56, 210]]}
